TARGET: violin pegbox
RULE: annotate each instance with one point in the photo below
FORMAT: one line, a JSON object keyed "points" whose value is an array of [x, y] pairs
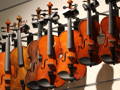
{"points": [[24, 28], [70, 10], [90, 5]]}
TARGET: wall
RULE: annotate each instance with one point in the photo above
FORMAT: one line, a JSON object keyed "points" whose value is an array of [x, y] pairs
{"points": [[97, 75]]}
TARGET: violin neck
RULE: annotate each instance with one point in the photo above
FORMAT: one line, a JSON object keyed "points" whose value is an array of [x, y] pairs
{"points": [[20, 51], [50, 41], [70, 35], [7, 55], [89, 21], [111, 18], [40, 29]]}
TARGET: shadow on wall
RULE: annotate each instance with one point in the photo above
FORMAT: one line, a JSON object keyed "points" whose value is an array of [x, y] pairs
{"points": [[104, 79], [75, 85]]}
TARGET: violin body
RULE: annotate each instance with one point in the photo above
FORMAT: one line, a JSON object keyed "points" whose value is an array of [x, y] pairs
{"points": [[68, 67], [18, 73], [2, 73], [89, 47], [46, 73], [110, 49], [3, 76], [30, 79], [32, 54]]}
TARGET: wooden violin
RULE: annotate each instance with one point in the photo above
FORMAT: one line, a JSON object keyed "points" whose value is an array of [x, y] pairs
{"points": [[5, 61], [30, 79], [49, 51], [89, 31], [68, 68], [19, 58], [110, 49]]}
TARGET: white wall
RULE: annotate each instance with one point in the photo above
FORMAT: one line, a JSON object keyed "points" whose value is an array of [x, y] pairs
{"points": [[95, 74]]}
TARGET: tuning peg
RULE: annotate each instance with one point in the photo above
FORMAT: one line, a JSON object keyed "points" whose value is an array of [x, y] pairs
{"points": [[85, 6], [64, 7], [25, 28], [114, 1], [3, 27], [95, 3], [54, 8], [44, 14]]}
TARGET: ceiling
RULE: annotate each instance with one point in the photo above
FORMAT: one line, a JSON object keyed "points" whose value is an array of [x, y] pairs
{"points": [[6, 4]]}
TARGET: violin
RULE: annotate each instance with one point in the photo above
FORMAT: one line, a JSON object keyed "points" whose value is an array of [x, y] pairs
{"points": [[5, 61], [110, 49], [30, 79], [19, 58], [49, 51], [89, 31], [68, 67]]}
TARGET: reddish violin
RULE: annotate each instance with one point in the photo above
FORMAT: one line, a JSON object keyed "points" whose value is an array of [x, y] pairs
{"points": [[68, 68], [89, 31], [110, 49]]}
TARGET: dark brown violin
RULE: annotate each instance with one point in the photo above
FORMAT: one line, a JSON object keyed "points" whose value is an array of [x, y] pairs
{"points": [[30, 79], [33, 54], [49, 51], [89, 31], [68, 68], [110, 49]]}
